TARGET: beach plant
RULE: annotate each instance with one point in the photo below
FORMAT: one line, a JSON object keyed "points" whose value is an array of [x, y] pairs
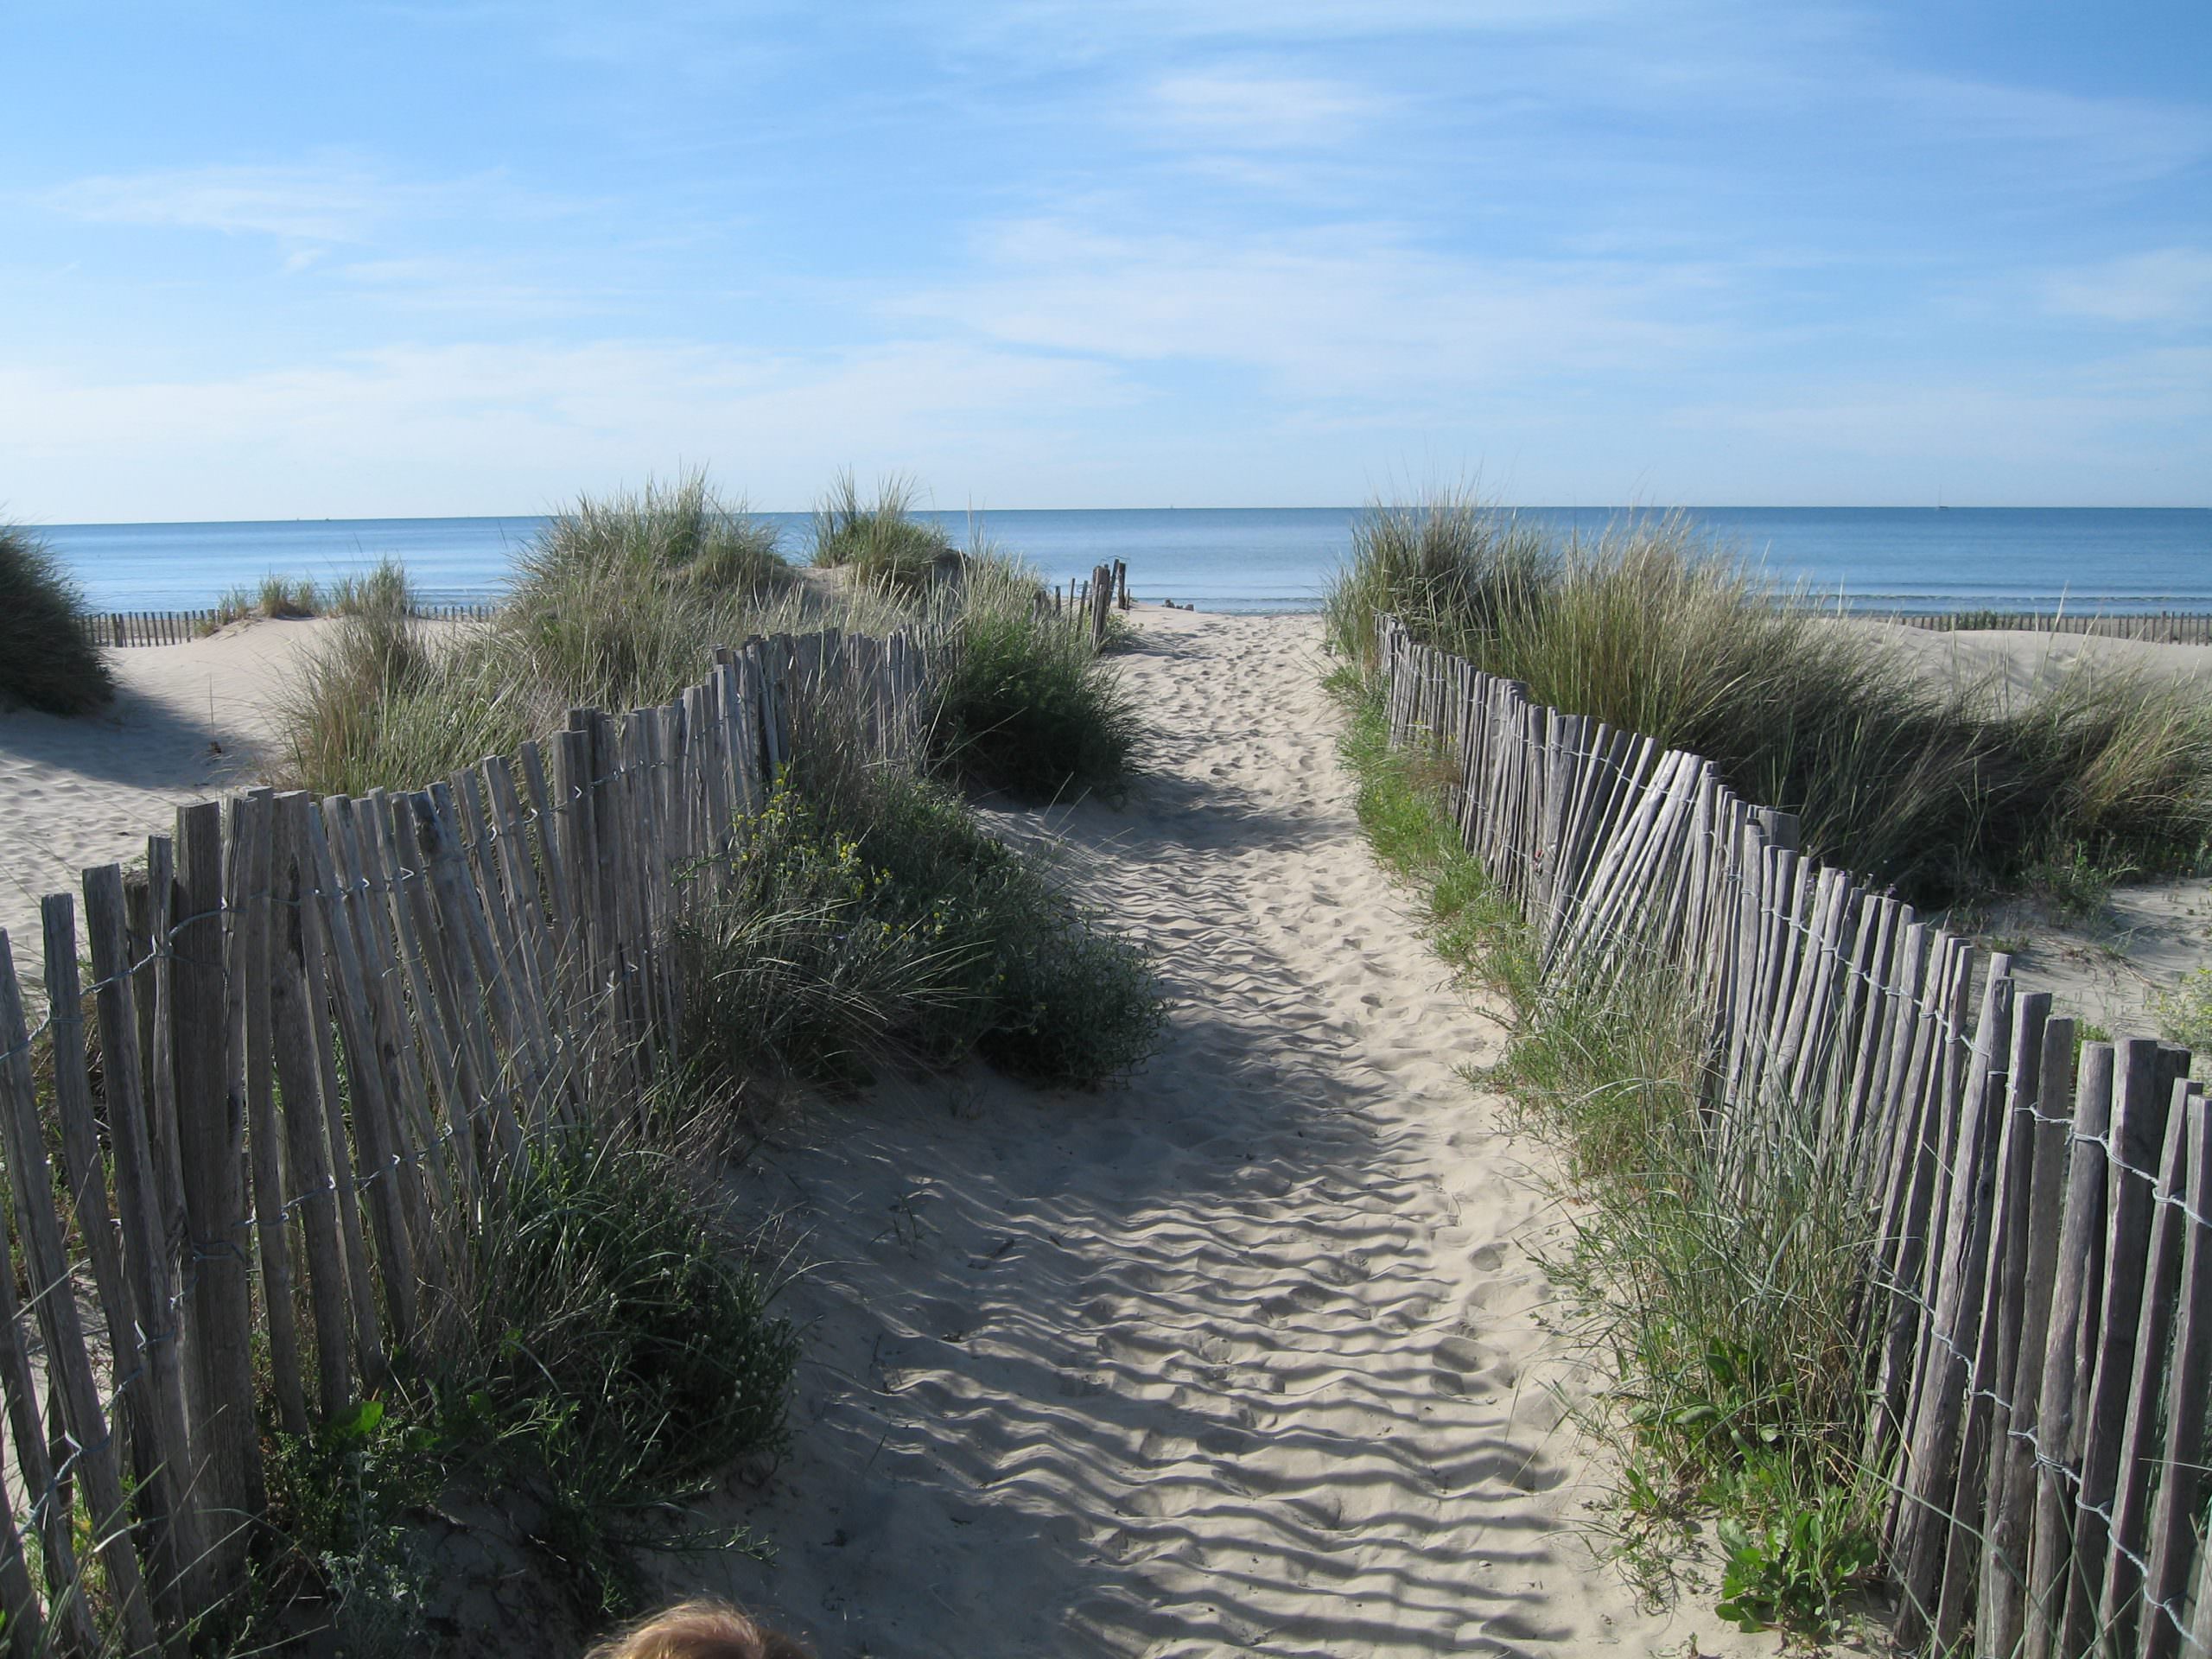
{"points": [[382, 586], [2184, 1010], [607, 1354], [288, 597], [620, 599], [48, 659], [867, 916], [619, 1355], [880, 540], [235, 605], [385, 701], [1944, 790], [810, 962], [617, 603], [1024, 702]]}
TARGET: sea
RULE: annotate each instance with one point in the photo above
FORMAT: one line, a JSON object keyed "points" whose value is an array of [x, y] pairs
{"points": [[1257, 559]]}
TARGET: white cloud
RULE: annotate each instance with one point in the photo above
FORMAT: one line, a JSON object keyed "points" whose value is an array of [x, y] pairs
{"points": [[2171, 286], [2054, 139], [465, 284], [305, 203], [484, 428], [1350, 311], [1253, 111], [1080, 21], [324, 200], [2065, 425]]}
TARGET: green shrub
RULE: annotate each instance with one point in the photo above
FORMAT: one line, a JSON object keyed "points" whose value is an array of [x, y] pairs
{"points": [[803, 958], [288, 597], [867, 915], [612, 1332], [2184, 1012], [384, 702], [1944, 792], [618, 604], [620, 601], [384, 587], [46, 661], [235, 606], [881, 540], [606, 1354], [1025, 705]]}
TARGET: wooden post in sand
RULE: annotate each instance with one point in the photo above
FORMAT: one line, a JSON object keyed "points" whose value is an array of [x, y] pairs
{"points": [[210, 1150]]}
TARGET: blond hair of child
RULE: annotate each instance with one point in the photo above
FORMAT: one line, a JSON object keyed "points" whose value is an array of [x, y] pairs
{"points": [[698, 1630]]}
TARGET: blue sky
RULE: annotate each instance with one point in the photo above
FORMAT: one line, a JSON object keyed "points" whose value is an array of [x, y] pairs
{"points": [[346, 260]]}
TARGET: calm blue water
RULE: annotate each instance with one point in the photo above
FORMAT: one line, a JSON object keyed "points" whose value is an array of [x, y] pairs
{"points": [[1265, 559]]}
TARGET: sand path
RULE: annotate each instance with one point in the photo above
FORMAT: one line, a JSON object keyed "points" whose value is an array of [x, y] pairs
{"points": [[189, 722], [1248, 1356]]}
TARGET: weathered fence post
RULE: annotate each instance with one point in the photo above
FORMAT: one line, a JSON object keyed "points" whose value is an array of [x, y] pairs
{"points": [[211, 1150]]}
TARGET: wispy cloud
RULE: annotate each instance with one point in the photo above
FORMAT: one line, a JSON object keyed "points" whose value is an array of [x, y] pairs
{"points": [[2048, 138], [461, 284], [1256, 111], [2170, 287], [326, 200], [1348, 311], [1317, 20], [474, 426]]}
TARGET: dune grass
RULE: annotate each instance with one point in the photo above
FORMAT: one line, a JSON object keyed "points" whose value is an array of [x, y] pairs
{"points": [[2184, 1010], [607, 1354], [1723, 1308], [880, 540], [1027, 705], [619, 603], [1944, 792], [280, 598], [868, 919], [47, 662], [869, 916]]}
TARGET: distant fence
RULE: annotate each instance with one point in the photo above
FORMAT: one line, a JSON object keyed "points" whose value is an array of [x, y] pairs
{"points": [[177, 627], [318, 1035], [2162, 628], [2037, 1314]]}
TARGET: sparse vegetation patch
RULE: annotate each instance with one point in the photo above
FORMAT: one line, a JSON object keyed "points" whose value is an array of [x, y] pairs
{"points": [[880, 540], [1946, 792], [608, 1356]]}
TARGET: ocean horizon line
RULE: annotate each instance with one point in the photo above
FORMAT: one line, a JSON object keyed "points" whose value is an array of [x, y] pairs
{"points": [[1637, 509]]}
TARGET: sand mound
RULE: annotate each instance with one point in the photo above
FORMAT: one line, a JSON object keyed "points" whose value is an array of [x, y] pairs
{"points": [[1249, 1355], [188, 723]]}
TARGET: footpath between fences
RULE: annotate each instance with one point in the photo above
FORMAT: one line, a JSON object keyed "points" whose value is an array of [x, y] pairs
{"points": [[2036, 1318], [316, 1035]]}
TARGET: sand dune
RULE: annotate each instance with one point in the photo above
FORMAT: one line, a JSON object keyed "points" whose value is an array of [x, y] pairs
{"points": [[187, 723], [1250, 1355]]}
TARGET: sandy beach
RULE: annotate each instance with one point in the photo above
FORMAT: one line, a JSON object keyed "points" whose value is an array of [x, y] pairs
{"points": [[1251, 1353], [2108, 968], [188, 722]]}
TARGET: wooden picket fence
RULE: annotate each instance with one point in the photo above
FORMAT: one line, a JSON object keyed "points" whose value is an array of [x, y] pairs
{"points": [[121, 628], [1091, 600], [2037, 1316], [316, 1035], [2162, 628]]}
